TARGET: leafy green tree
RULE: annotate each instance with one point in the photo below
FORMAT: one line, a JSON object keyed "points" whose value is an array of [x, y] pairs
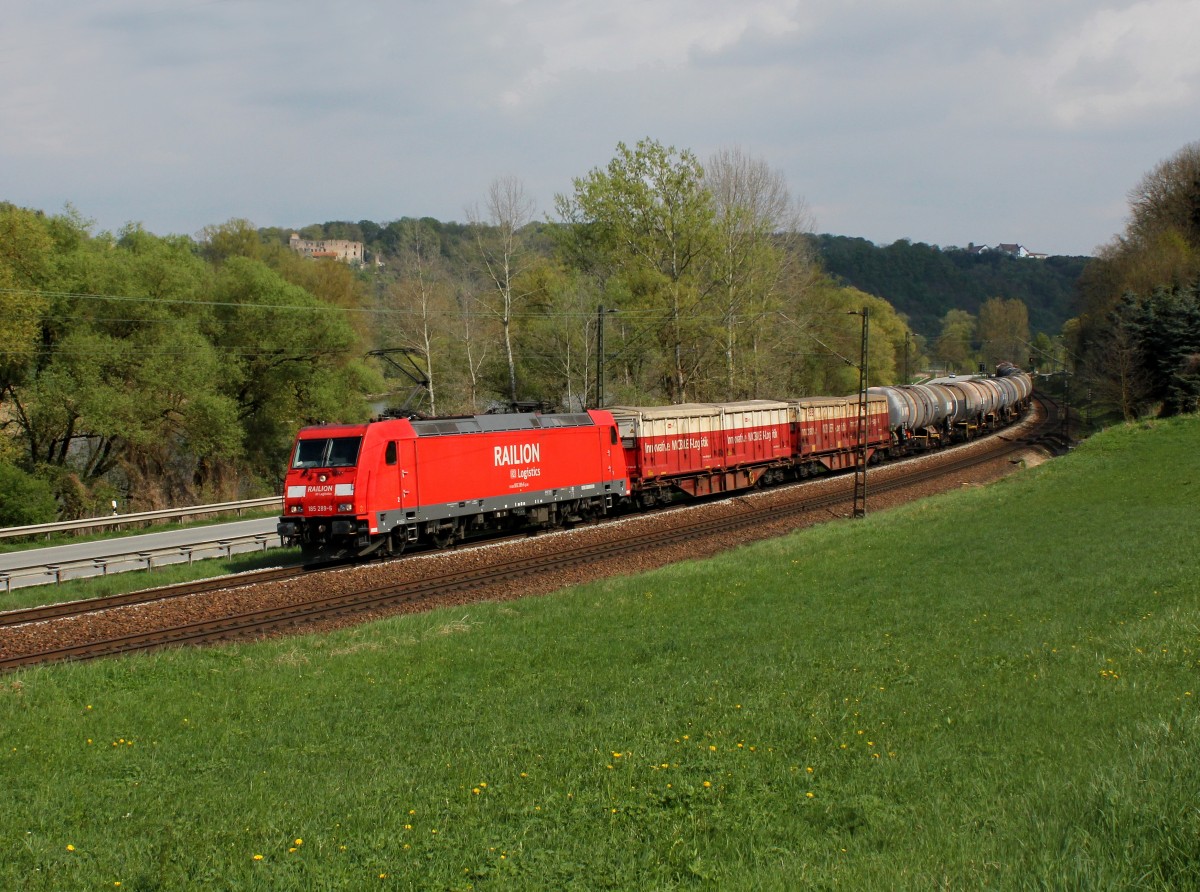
{"points": [[954, 346], [1140, 293], [557, 341], [651, 221], [25, 258], [234, 238], [288, 360], [1002, 331]]}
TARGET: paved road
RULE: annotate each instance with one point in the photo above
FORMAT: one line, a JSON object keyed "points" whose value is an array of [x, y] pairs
{"points": [[35, 566]]}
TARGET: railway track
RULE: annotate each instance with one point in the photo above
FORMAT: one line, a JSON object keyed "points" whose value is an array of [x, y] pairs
{"points": [[558, 555]]}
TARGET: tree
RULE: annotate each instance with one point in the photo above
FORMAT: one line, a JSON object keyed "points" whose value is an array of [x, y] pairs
{"points": [[759, 248], [289, 360], [954, 345], [1141, 292], [1168, 328], [1003, 331], [235, 238], [25, 256], [502, 255], [1117, 376], [651, 222], [1167, 199], [420, 306]]}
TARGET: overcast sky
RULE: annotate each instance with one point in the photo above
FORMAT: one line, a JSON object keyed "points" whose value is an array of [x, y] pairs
{"points": [[933, 120]]}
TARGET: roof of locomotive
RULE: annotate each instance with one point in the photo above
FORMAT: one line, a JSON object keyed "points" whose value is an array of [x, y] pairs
{"points": [[518, 421]]}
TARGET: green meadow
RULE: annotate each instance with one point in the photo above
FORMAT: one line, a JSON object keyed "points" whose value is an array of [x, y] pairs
{"points": [[995, 689]]}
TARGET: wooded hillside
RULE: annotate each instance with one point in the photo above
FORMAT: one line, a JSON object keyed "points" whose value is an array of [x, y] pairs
{"points": [[924, 282]]}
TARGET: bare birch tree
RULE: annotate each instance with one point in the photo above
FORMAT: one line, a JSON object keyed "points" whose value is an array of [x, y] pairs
{"points": [[501, 252]]}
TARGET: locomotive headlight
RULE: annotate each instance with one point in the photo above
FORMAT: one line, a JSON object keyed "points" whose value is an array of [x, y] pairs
{"points": [[296, 509], [345, 507]]}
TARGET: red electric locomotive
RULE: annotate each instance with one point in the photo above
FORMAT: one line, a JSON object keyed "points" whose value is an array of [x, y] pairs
{"points": [[357, 489]]}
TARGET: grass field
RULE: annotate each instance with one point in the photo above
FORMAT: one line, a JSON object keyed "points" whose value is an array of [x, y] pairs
{"points": [[992, 689]]}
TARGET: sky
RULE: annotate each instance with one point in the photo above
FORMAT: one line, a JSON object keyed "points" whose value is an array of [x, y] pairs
{"points": [[935, 121]]}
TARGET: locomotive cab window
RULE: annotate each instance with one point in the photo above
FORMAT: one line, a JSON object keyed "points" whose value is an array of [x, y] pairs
{"points": [[327, 452], [389, 455]]}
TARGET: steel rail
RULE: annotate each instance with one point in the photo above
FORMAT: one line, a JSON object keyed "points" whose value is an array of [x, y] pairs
{"points": [[269, 620]]}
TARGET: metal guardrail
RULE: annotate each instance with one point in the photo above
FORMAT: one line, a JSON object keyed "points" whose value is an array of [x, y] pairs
{"points": [[147, 557], [89, 523]]}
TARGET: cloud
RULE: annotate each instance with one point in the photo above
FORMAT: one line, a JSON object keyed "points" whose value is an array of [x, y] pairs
{"points": [[1124, 64], [930, 119]]}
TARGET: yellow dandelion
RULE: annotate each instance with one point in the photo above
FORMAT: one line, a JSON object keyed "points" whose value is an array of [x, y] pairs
{"points": [[809, 769], [707, 784], [476, 791], [258, 857], [299, 842], [70, 848], [291, 849], [712, 747], [616, 755], [809, 794]]}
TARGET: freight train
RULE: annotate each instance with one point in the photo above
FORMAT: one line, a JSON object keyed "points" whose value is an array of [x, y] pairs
{"points": [[355, 490]]}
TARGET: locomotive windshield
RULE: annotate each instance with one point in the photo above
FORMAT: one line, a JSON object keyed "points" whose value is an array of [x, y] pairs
{"points": [[327, 452]]}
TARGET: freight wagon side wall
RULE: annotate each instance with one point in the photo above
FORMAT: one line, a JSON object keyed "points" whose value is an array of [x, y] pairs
{"points": [[671, 441], [756, 433], [827, 429]]}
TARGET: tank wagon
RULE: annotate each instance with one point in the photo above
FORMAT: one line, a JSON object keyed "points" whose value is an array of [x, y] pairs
{"points": [[383, 486]]}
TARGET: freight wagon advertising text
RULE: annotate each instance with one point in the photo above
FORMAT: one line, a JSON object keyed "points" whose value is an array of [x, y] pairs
{"points": [[677, 444]]}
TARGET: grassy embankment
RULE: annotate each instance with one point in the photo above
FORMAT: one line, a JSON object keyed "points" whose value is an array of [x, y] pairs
{"points": [[995, 688]]}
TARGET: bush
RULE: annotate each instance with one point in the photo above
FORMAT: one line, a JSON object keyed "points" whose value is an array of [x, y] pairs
{"points": [[24, 499]]}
